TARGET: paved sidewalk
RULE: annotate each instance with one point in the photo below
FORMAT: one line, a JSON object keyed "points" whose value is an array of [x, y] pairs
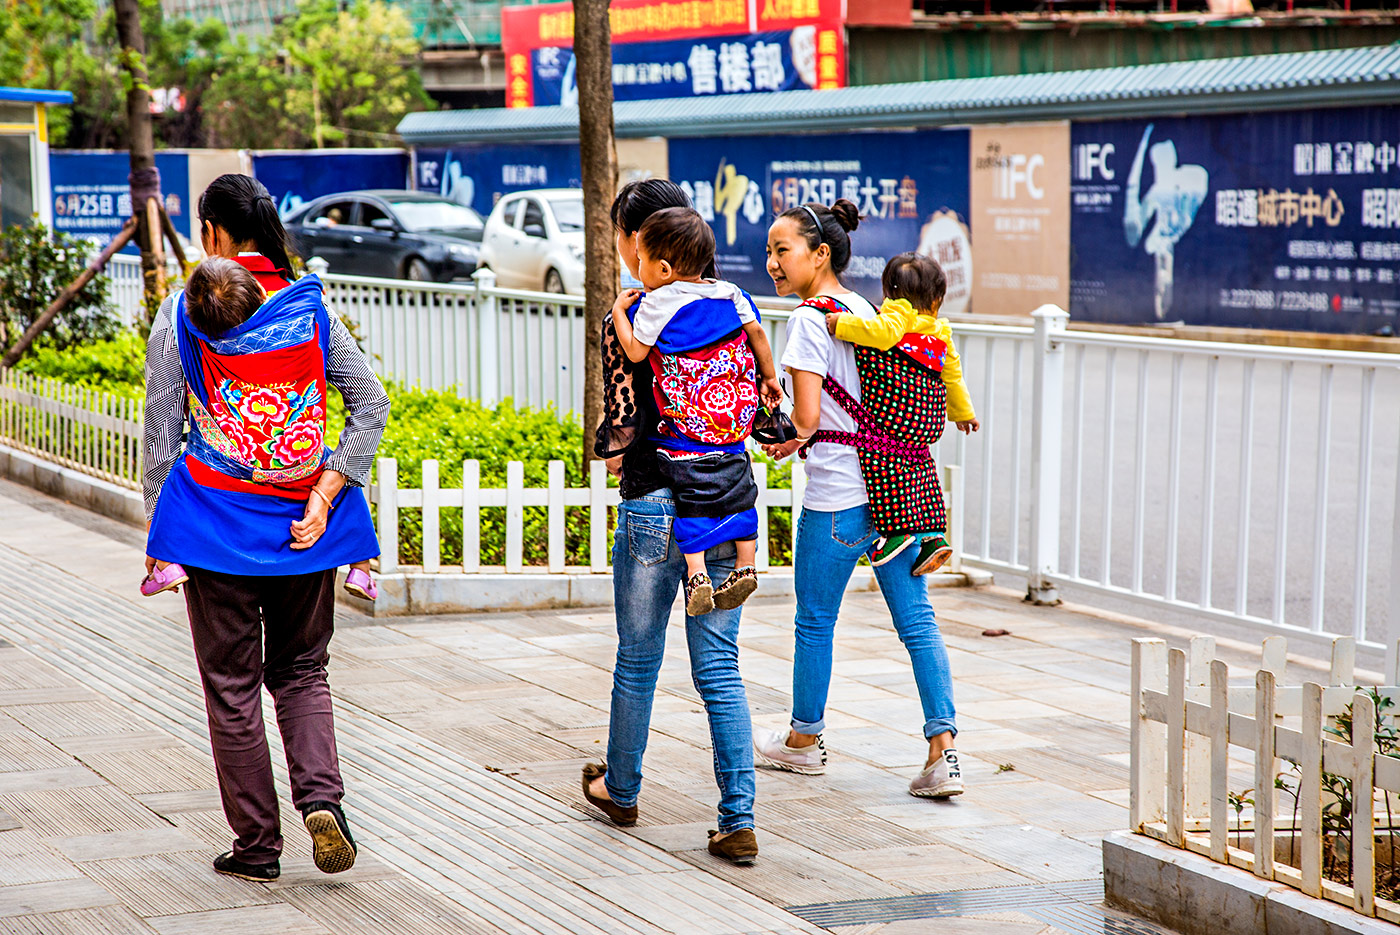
{"points": [[461, 741]]}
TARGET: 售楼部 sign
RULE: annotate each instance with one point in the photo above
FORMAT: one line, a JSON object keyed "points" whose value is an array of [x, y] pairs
{"points": [[1272, 220], [778, 61], [679, 48], [478, 175], [911, 188]]}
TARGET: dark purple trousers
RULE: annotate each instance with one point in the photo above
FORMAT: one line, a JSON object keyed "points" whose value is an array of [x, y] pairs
{"points": [[255, 631]]}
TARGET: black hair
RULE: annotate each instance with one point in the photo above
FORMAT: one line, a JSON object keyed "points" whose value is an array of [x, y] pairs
{"points": [[640, 199], [242, 205], [681, 237], [917, 278], [220, 295], [830, 226]]}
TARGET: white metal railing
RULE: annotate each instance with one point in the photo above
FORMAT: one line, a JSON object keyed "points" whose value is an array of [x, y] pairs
{"points": [[431, 500], [88, 430], [1228, 484], [488, 343], [1315, 825], [128, 289]]}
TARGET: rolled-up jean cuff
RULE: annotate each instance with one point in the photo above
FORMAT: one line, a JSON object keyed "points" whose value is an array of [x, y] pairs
{"points": [[613, 794], [809, 728], [939, 725], [739, 827]]}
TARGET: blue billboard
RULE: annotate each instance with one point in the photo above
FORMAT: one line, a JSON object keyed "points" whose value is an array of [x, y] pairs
{"points": [[92, 197], [704, 67], [911, 188], [1269, 220], [296, 178], [479, 175]]}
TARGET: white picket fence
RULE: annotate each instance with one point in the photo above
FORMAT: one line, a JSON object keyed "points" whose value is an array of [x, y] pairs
{"points": [[597, 498], [88, 430], [1187, 717]]}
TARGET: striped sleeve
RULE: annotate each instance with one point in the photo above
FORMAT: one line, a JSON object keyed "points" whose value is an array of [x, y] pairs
{"points": [[164, 426], [366, 406]]}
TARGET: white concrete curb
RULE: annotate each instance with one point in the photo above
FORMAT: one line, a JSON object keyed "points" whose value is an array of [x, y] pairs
{"points": [[1196, 896], [90, 493], [410, 594]]}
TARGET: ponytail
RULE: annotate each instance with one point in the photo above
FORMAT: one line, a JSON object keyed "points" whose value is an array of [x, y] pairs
{"points": [[243, 207]]}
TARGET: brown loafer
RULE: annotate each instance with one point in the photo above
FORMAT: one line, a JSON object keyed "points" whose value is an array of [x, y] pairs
{"points": [[626, 817], [738, 847]]}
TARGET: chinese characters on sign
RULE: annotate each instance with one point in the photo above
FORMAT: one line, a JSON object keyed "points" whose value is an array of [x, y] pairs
{"points": [[92, 198], [687, 49], [911, 188], [1300, 226]]}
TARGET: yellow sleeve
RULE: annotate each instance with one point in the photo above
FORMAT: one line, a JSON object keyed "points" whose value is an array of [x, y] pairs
{"points": [[959, 399], [881, 332]]}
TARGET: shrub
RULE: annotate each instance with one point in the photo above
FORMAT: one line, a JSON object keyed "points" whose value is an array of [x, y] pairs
{"points": [[116, 365], [35, 266]]}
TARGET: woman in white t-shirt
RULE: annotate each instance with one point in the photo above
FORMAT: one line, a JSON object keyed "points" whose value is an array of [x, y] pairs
{"points": [[808, 248]]}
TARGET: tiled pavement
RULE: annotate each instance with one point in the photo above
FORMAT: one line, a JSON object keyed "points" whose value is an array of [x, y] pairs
{"points": [[462, 738]]}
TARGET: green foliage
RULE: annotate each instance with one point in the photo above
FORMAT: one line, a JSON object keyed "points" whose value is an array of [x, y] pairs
{"points": [[35, 266], [331, 77], [347, 73], [117, 365]]}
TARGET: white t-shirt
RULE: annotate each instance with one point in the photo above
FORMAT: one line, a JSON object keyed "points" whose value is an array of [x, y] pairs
{"points": [[834, 481]]}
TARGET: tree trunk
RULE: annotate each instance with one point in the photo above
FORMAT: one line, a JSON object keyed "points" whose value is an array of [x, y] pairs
{"points": [[145, 180], [598, 155]]}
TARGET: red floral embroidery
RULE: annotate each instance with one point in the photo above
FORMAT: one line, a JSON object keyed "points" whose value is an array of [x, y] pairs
{"points": [[297, 443], [263, 406]]}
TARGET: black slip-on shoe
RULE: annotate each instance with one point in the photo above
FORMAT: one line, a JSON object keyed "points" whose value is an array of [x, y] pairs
{"points": [[229, 865], [333, 848]]}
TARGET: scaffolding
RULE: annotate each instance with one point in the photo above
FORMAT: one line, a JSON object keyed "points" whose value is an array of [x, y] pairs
{"points": [[436, 23]]}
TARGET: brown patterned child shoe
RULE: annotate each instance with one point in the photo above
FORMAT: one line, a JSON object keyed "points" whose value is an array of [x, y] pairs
{"points": [[737, 847], [699, 595], [736, 589]]}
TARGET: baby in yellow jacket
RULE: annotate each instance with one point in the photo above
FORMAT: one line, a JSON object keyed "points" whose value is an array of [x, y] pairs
{"points": [[924, 279]]}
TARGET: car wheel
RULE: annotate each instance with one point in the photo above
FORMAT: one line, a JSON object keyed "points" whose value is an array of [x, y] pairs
{"points": [[418, 271], [553, 282]]}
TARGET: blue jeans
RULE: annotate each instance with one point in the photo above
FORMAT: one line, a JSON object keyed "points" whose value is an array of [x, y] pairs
{"points": [[648, 570], [828, 547]]}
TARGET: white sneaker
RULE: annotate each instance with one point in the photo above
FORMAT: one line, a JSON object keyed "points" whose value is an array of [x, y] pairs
{"points": [[771, 747], [942, 779]]}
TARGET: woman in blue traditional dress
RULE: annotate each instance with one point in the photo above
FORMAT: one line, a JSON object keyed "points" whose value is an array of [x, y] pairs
{"points": [[261, 515]]}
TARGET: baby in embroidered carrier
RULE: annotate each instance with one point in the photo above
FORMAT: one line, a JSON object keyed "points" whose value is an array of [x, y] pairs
{"points": [[893, 348], [219, 296], [707, 350]]}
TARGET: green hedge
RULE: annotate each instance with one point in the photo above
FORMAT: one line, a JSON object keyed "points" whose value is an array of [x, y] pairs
{"points": [[117, 365], [427, 424]]}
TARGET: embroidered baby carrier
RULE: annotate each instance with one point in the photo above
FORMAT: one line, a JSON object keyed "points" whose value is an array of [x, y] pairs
{"points": [[707, 396], [256, 445], [901, 412]]}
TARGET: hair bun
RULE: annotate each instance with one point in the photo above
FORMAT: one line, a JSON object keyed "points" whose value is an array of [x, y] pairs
{"points": [[846, 214]]}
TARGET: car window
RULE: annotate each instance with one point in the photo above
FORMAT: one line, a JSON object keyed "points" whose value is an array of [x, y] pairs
{"points": [[331, 214], [568, 214], [534, 215], [436, 215], [510, 212], [369, 213]]}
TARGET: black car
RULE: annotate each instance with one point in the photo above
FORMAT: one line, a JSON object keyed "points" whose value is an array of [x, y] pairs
{"points": [[389, 234]]}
